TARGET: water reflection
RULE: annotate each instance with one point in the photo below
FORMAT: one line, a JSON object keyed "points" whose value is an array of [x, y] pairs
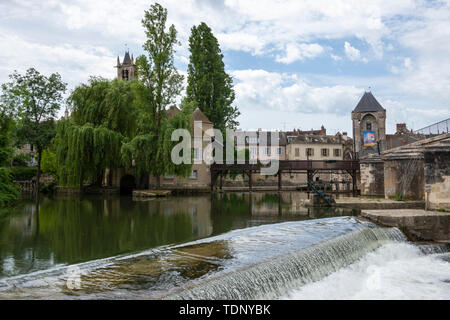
{"points": [[67, 230]]}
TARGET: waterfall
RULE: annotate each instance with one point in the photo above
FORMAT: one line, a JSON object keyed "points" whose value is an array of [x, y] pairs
{"points": [[272, 278]]}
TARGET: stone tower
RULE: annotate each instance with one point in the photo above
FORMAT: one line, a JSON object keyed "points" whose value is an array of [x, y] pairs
{"points": [[127, 69], [369, 126]]}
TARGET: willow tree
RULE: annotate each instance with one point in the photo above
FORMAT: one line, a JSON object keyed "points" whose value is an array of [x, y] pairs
{"points": [[159, 83], [90, 141]]}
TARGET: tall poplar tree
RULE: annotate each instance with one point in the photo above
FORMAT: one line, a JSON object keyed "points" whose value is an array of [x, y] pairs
{"points": [[159, 83], [208, 83]]}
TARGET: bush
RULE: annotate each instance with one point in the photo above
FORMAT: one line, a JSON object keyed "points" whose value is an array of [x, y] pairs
{"points": [[8, 192], [22, 174], [21, 160], [49, 188]]}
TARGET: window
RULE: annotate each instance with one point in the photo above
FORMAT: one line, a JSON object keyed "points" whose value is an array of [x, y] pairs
{"points": [[194, 174], [253, 140], [197, 155], [254, 151], [280, 151], [267, 151], [309, 152], [337, 152], [297, 152], [324, 152], [369, 126]]}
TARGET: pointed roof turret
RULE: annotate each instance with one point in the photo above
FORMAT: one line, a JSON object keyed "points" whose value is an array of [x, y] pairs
{"points": [[368, 103], [127, 59]]}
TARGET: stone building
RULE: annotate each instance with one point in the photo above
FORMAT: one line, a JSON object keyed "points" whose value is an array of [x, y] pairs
{"points": [[312, 147], [200, 178], [297, 132], [402, 137], [260, 145], [369, 126], [409, 169], [127, 69]]}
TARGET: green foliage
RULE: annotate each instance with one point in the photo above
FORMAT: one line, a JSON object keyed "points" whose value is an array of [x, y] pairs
{"points": [[157, 87], [23, 174], [48, 162], [34, 100], [159, 80], [6, 142], [399, 197], [102, 119], [21, 159], [8, 192], [152, 154], [208, 83]]}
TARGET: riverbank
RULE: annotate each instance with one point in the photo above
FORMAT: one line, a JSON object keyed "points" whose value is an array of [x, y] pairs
{"points": [[417, 224]]}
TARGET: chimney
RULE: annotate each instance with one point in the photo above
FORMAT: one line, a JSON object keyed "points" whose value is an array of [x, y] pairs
{"points": [[401, 128]]}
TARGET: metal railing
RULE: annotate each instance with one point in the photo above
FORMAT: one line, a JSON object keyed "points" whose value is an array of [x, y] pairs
{"points": [[435, 129]]}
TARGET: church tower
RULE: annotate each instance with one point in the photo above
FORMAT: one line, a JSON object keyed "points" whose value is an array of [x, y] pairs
{"points": [[127, 69], [369, 126]]}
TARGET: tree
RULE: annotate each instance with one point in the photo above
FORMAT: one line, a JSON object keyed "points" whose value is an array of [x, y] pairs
{"points": [[89, 142], [35, 100], [208, 83], [158, 85], [8, 192]]}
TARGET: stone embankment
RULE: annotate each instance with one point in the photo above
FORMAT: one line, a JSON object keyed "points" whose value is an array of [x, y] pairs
{"points": [[377, 204], [418, 225]]}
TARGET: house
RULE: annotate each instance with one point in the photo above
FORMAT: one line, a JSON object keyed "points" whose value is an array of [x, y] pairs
{"points": [[200, 175], [259, 144], [314, 147]]}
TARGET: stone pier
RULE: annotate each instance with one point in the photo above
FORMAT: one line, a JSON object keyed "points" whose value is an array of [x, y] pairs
{"points": [[418, 225]]}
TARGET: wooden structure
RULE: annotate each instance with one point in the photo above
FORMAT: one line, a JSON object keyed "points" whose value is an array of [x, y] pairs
{"points": [[310, 167]]}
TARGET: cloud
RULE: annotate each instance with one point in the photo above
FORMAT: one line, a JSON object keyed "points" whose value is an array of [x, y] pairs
{"points": [[352, 53], [287, 92], [295, 52]]}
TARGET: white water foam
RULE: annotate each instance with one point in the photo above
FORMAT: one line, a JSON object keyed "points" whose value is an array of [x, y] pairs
{"points": [[394, 271]]}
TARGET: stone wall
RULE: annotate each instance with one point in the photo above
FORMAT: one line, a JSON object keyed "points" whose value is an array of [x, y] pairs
{"points": [[437, 176], [404, 177], [372, 178]]}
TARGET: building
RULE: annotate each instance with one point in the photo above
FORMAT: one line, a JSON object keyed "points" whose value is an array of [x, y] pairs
{"points": [[369, 126], [127, 69], [402, 137], [297, 132], [313, 147], [259, 144], [200, 177]]}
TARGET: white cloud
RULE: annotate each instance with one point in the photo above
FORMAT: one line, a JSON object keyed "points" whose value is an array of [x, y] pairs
{"points": [[287, 92], [352, 53], [335, 57], [295, 52]]}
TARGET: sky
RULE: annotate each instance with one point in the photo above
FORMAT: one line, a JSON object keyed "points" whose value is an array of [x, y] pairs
{"points": [[295, 64]]}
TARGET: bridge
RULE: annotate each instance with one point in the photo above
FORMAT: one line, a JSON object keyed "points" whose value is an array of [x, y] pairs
{"points": [[435, 129], [309, 167]]}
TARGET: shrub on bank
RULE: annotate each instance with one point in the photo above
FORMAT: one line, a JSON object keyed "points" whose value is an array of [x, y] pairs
{"points": [[8, 192], [23, 174]]}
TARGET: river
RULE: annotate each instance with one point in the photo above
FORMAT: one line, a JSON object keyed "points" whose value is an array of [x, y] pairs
{"points": [[224, 246]]}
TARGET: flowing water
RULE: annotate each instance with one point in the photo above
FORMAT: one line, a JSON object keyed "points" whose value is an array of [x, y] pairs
{"points": [[229, 246]]}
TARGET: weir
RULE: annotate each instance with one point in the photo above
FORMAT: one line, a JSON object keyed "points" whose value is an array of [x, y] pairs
{"points": [[273, 278]]}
